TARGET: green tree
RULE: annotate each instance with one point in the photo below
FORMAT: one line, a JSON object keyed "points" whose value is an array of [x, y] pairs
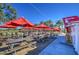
{"points": [[36, 24], [60, 24], [1, 13], [41, 22], [12, 12], [49, 23], [7, 12]]}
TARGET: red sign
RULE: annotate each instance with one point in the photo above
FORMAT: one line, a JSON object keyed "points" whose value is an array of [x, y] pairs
{"points": [[68, 21], [71, 19]]}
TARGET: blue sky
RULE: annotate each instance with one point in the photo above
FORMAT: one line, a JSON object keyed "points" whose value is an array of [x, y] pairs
{"points": [[41, 12]]}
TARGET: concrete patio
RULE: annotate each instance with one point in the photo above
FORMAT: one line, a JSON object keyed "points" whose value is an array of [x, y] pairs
{"points": [[59, 47]]}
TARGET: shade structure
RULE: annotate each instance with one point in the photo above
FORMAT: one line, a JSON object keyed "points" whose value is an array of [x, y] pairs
{"points": [[36, 28], [28, 28], [22, 22], [49, 29], [7, 26], [19, 22], [56, 29], [42, 26], [9, 22], [29, 23]]}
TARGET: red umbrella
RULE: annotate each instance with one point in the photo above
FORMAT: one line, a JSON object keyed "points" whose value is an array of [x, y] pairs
{"points": [[36, 28], [42, 26], [7, 26], [9, 22], [49, 29], [29, 28], [19, 21], [56, 29], [22, 22], [29, 23]]}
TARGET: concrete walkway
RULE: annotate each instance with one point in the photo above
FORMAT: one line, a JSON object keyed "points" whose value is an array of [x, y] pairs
{"points": [[59, 47]]}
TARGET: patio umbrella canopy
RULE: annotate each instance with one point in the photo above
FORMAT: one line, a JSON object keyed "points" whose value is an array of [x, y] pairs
{"points": [[29, 28], [50, 29], [9, 22], [29, 23], [22, 22], [36, 28], [7, 26], [56, 29], [18, 22], [42, 26]]}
